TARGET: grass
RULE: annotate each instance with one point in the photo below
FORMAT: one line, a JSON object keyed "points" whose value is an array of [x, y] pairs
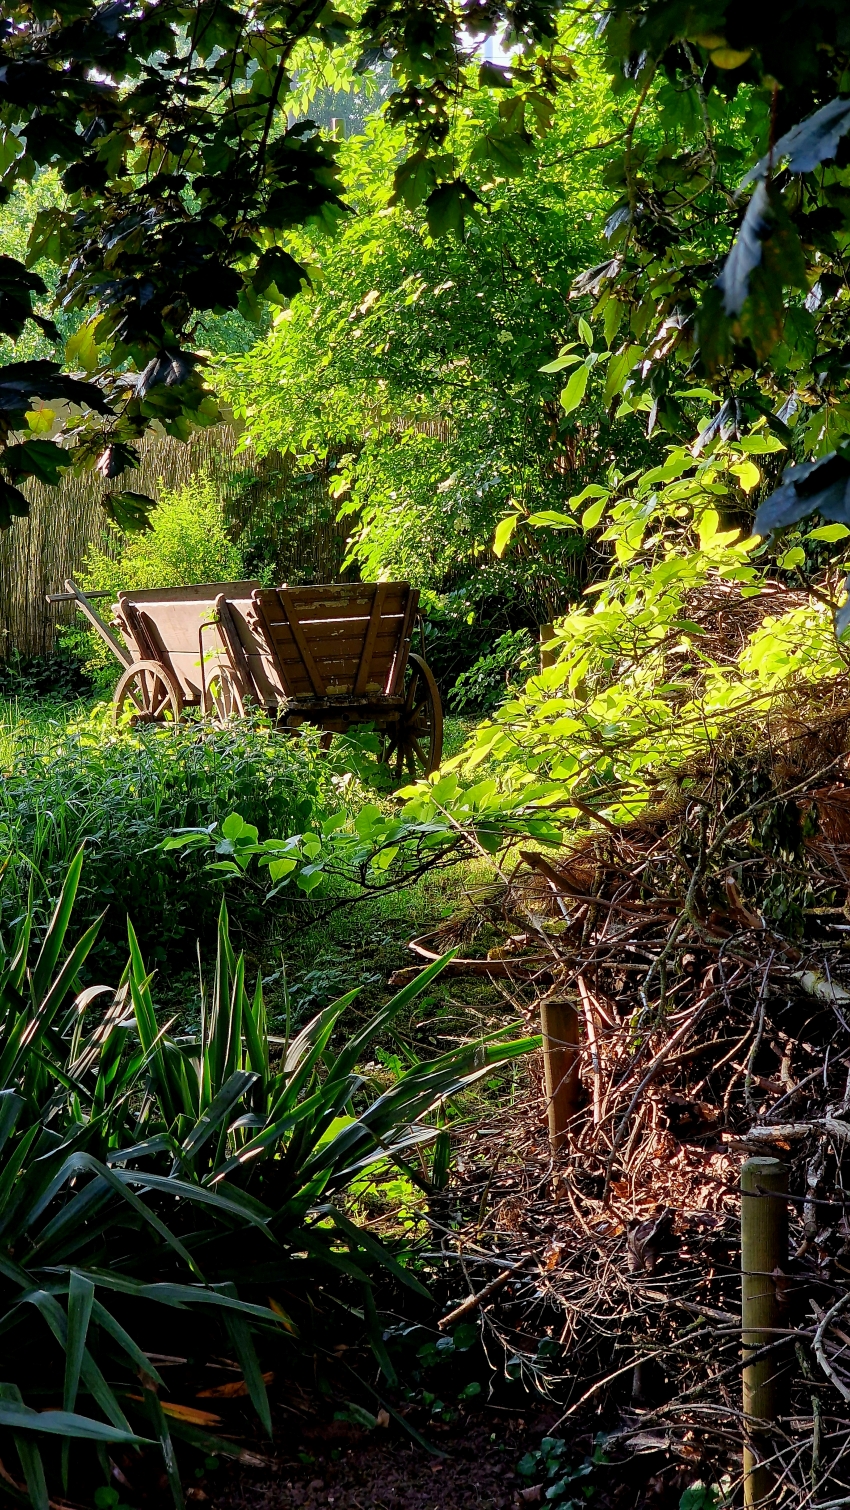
{"points": [[70, 779]]}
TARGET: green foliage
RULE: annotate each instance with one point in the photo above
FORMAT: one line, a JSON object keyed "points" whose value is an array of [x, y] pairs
{"points": [[633, 702], [187, 542], [79, 781], [16, 220], [369, 848], [171, 215], [487, 682], [56, 676], [745, 293], [702, 1496], [611, 720], [565, 1484], [158, 1186]]}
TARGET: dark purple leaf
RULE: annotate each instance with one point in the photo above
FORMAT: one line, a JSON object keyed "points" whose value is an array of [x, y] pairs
{"points": [[813, 141], [821, 487], [745, 253]]}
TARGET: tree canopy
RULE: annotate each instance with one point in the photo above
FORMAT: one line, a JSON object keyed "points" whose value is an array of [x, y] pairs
{"points": [[411, 368], [183, 170], [188, 168]]}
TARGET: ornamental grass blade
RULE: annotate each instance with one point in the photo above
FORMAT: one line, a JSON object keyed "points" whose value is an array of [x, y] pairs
{"points": [[29, 1456], [12, 1168], [270, 1135], [376, 1337], [166, 1446], [220, 1028], [55, 936], [59, 1423], [79, 1163], [10, 1110], [73, 1219], [146, 1022], [228, 1201], [234, 1088], [302, 1049], [348, 1056], [92, 1377], [106, 1321], [54, 998], [256, 1033], [21, 945], [80, 1299], [29, 1030], [238, 1003], [212, 1446], [179, 1296], [240, 1336], [412, 1096], [304, 1054], [80, 1302], [359, 1238]]}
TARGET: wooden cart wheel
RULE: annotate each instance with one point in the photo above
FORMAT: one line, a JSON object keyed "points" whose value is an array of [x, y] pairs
{"points": [[147, 694], [416, 741], [224, 696]]}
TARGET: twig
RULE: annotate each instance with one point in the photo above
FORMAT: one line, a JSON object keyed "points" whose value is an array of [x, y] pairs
{"points": [[820, 1350], [472, 1302]]}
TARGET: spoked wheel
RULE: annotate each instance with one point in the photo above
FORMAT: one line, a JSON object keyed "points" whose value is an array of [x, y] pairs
{"points": [[147, 694], [224, 696], [415, 743]]}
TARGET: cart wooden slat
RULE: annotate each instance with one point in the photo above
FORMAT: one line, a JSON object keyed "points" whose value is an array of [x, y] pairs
{"points": [[349, 640]]}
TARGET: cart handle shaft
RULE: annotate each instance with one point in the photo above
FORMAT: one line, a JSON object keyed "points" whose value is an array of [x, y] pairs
{"points": [[75, 594], [73, 597]]}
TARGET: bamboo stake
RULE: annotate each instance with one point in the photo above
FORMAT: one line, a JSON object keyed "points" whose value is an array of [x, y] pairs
{"points": [[589, 1006], [764, 1251], [548, 650], [559, 1025]]}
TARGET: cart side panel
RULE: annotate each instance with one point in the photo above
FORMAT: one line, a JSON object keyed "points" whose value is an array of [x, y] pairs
{"points": [[123, 623], [395, 678], [268, 690], [168, 630], [349, 645]]}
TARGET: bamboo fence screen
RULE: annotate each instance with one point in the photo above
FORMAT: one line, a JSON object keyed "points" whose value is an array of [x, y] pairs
{"points": [[39, 552]]}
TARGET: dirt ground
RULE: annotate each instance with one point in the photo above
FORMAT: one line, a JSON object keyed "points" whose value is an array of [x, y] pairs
{"points": [[352, 1470], [349, 1469]]}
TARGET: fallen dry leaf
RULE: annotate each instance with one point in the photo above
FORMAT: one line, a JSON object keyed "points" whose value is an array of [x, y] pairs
{"points": [[232, 1391], [186, 1413]]}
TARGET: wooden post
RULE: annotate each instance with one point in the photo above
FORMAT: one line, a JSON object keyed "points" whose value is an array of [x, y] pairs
{"points": [[764, 1249], [559, 1025], [547, 652]]}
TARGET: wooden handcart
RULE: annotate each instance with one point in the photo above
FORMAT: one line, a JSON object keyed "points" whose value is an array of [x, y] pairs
{"points": [[334, 656]]}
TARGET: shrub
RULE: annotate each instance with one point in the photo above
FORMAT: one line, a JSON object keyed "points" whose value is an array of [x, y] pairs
{"points": [[488, 681], [167, 1189], [121, 794], [187, 542], [57, 676]]}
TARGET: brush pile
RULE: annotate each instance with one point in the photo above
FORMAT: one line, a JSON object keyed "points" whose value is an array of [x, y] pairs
{"points": [[707, 948]]}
